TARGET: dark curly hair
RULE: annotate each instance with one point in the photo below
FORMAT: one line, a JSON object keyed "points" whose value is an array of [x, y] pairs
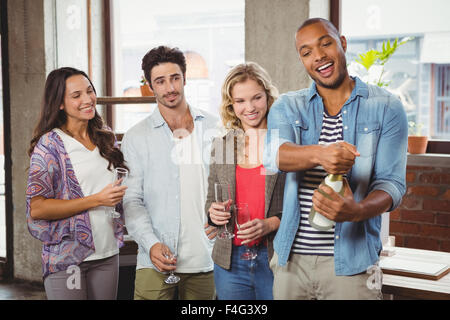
{"points": [[162, 54], [53, 117]]}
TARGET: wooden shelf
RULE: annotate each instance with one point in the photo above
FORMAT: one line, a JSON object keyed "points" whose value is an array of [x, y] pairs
{"points": [[125, 100]]}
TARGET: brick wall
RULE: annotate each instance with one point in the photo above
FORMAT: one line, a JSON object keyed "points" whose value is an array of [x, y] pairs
{"points": [[422, 221]]}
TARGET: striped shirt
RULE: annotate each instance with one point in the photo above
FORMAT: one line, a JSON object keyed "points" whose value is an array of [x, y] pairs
{"points": [[309, 240]]}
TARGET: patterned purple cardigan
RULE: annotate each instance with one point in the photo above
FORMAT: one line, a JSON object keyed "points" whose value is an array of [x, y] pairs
{"points": [[67, 241]]}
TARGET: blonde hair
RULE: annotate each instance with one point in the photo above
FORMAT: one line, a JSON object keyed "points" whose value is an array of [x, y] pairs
{"points": [[241, 73]]}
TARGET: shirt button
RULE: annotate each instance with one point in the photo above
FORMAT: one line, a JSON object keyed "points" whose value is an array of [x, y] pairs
{"points": [[337, 237], [345, 111], [345, 128], [365, 129], [296, 121]]}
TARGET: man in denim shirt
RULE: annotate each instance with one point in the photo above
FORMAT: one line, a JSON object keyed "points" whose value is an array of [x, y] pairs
{"points": [[367, 142], [167, 186]]}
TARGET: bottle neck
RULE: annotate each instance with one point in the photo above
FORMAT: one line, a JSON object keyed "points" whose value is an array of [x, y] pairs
{"points": [[335, 177]]}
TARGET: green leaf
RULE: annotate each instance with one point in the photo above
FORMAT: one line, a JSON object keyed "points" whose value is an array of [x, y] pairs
{"points": [[368, 59], [373, 56]]}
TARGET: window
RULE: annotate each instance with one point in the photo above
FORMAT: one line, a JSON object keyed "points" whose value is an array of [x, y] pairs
{"points": [[210, 33], [418, 71], [401, 71], [442, 106]]}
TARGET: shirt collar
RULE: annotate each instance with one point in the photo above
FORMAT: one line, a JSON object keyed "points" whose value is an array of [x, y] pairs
{"points": [[312, 91], [361, 89], [158, 120]]}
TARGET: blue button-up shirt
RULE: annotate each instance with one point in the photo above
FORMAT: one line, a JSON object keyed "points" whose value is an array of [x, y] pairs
{"points": [[375, 122], [152, 200]]}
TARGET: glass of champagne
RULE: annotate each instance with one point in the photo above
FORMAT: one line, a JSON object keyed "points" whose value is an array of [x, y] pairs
{"points": [[223, 195], [170, 252], [120, 175], [242, 217]]}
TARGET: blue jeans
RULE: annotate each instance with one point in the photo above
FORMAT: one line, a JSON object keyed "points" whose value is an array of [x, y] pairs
{"points": [[246, 279]]}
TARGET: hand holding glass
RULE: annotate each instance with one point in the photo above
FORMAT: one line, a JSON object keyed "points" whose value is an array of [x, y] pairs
{"points": [[223, 195], [169, 251], [120, 175], [242, 217]]}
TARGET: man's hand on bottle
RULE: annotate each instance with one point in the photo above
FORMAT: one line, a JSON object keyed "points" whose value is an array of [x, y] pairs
{"points": [[338, 158], [337, 208]]}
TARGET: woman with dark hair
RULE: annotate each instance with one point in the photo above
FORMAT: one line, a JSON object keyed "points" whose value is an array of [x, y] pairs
{"points": [[73, 155]]}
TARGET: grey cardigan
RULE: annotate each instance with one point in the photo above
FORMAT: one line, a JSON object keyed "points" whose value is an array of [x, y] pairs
{"points": [[222, 171]]}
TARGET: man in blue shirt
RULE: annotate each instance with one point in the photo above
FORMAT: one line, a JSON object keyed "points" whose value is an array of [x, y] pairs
{"points": [[339, 125]]}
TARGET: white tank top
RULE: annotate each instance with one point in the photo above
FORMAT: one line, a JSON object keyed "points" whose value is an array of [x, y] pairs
{"points": [[91, 171]]}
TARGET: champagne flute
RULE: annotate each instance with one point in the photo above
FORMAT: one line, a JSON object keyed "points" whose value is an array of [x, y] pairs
{"points": [[242, 217], [120, 174], [223, 194], [170, 252]]}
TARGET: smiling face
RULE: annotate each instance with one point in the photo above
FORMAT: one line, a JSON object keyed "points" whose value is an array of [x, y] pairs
{"points": [[167, 81], [322, 52], [250, 104], [79, 99]]}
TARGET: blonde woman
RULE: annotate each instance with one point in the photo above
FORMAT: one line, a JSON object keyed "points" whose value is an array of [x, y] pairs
{"points": [[247, 95]]}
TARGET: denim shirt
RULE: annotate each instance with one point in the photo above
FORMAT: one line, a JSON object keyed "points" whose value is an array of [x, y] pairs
{"points": [[375, 122], [152, 200]]}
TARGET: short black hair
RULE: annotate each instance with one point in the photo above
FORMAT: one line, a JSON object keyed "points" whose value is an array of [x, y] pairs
{"points": [[326, 22], [162, 54]]}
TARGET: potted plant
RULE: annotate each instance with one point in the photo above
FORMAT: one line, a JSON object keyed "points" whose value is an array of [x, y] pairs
{"points": [[417, 143], [145, 88]]}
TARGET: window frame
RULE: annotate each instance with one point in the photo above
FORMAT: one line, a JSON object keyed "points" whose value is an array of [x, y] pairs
{"points": [[437, 98], [7, 263], [109, 110]]}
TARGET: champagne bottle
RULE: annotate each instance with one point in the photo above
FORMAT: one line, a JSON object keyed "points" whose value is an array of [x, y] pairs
{"points": [[318, 221]]}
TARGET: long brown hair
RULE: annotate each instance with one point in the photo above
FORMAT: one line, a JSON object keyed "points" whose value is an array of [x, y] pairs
{"points": [[53, 117]]}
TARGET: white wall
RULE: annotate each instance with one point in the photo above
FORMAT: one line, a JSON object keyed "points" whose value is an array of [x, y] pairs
{"points": [[319, 9], [367, 18]]}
